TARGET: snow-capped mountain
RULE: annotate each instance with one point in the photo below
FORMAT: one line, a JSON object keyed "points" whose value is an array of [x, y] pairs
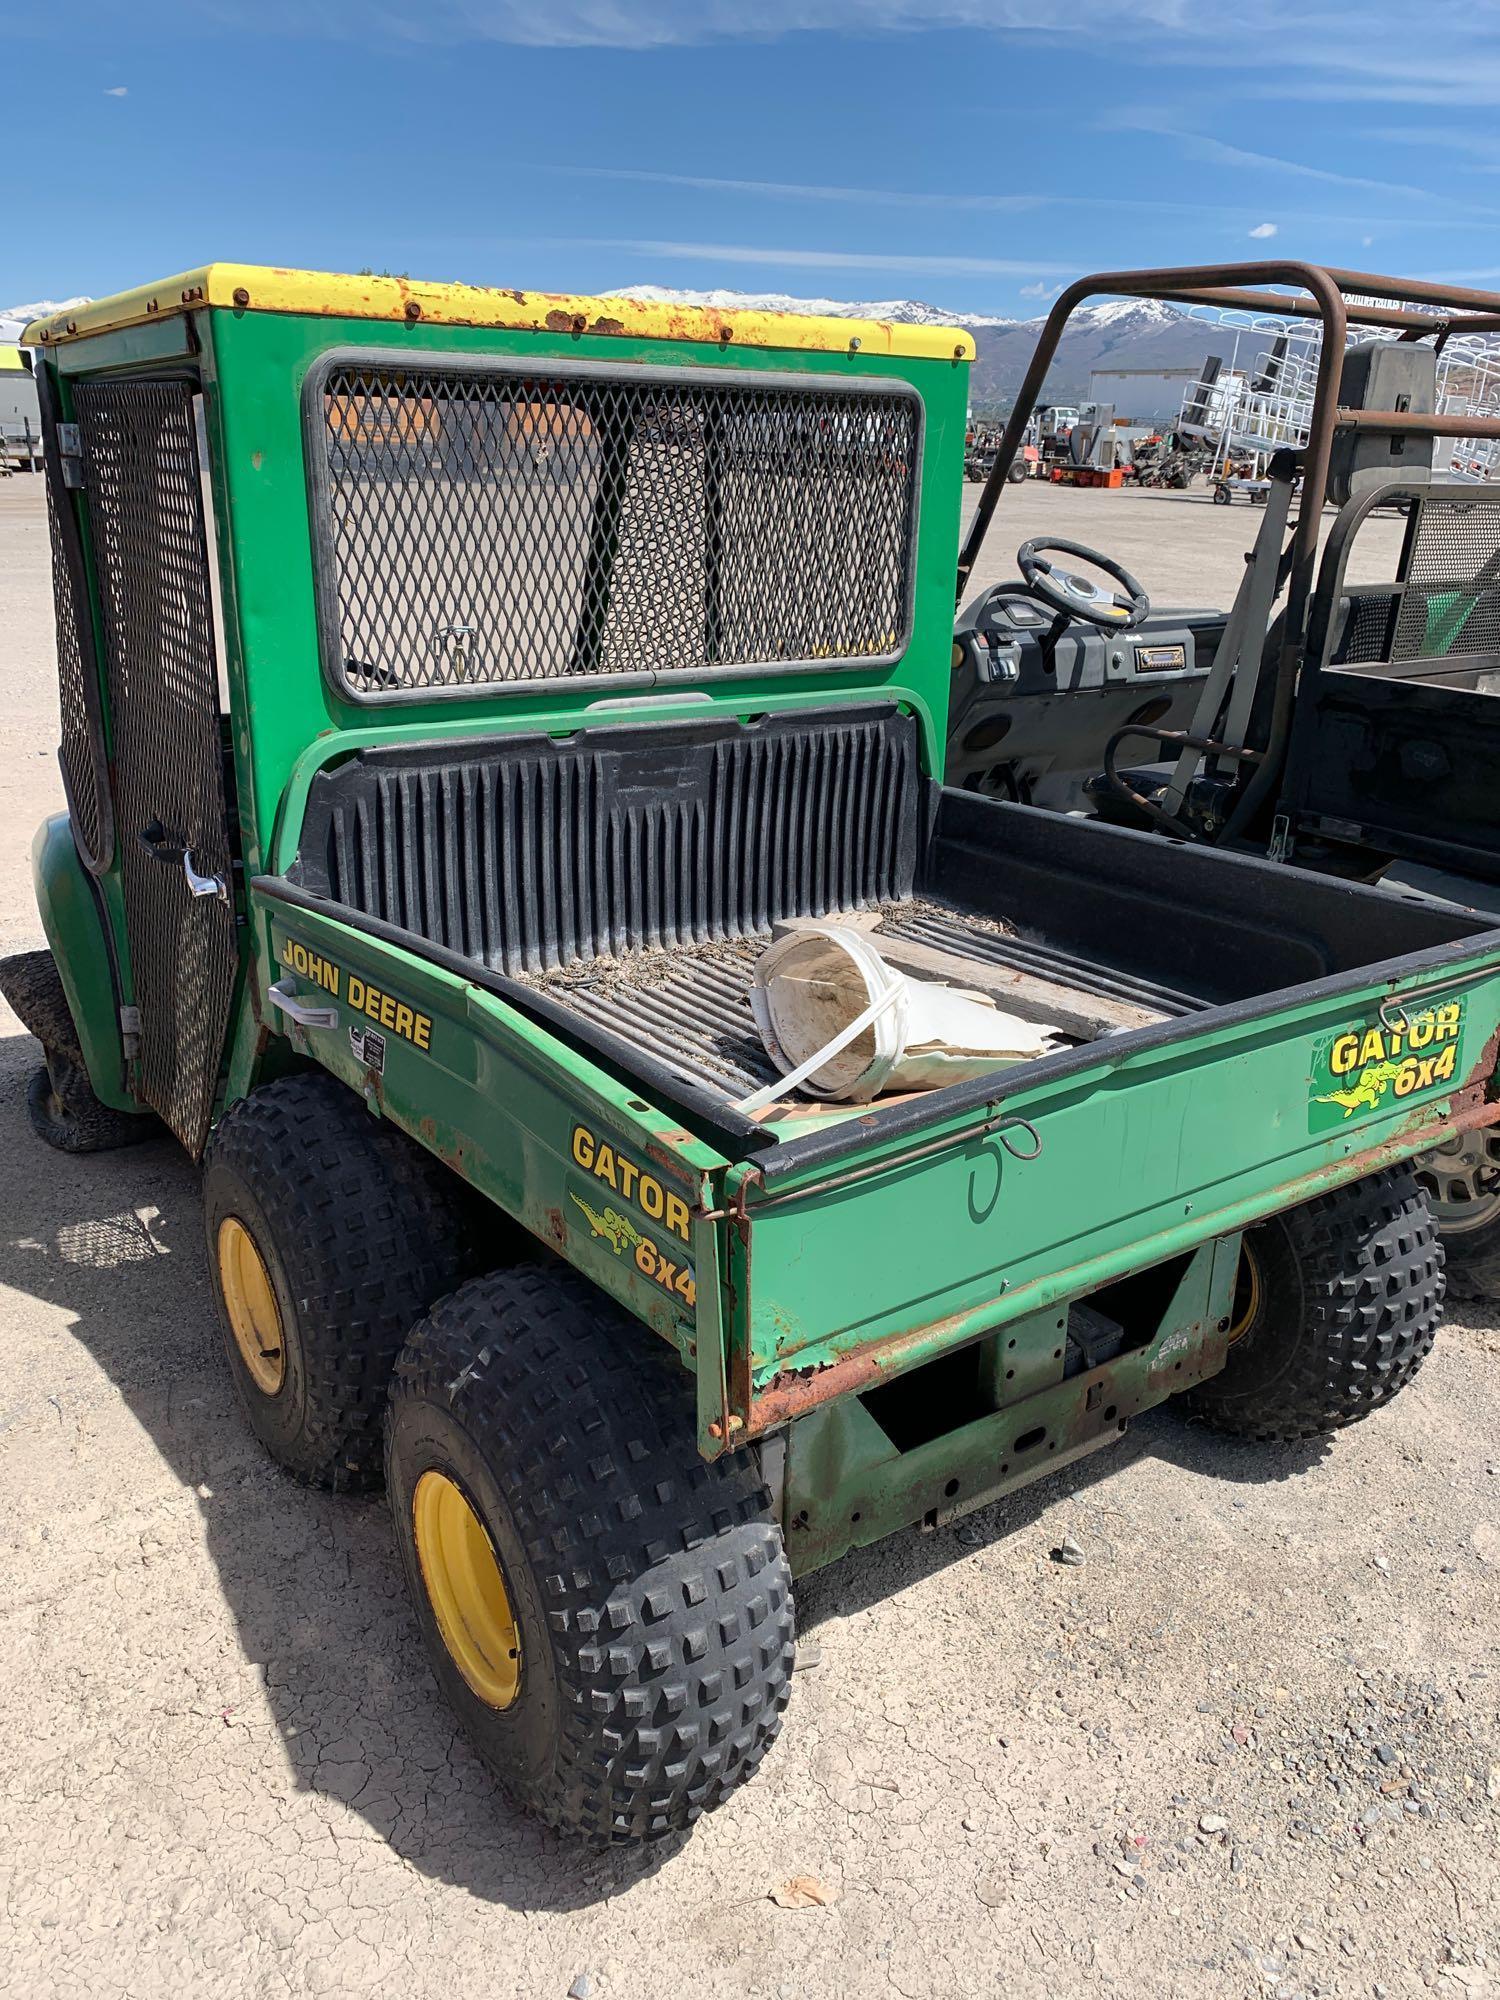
{"points": [[13, 319], [1129, 333], [905, 312]]}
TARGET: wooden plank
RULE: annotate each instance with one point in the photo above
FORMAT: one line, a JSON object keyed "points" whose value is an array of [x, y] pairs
{"points": [[1066, 1008]]}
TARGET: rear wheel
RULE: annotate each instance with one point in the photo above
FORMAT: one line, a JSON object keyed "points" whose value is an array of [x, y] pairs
{"points": [[1462, 1179], [329, 1234], [1336, 1308], [610, 1616]]}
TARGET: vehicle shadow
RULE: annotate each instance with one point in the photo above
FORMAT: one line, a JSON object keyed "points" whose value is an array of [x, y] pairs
{"points": [[312, 1581]]}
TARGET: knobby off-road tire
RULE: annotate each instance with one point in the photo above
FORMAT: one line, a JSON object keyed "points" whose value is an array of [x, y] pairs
{"points": [[1472, 1259], [60, 1100], [329, 1234], [647, 1591], [1460, 1179], [1339, 1304]]}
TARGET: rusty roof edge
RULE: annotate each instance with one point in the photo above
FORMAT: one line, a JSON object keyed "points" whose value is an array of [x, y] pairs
{"points": [[325, 294]]}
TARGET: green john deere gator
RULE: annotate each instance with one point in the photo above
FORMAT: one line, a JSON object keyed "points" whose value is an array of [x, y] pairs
{"points": [[458, 690]]}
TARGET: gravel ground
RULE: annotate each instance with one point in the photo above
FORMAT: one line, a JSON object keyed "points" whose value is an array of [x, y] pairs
{"points": [[1249, 1745]]}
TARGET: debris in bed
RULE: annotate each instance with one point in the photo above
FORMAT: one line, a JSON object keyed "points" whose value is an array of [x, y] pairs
{"points": [[925, 909], [654, 965], [841, 1023]]}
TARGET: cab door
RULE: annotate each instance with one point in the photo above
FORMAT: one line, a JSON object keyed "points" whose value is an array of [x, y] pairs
{"points": [[143, 483]]}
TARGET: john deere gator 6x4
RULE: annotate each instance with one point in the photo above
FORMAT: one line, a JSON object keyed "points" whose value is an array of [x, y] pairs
{"points": [[460, 689]]}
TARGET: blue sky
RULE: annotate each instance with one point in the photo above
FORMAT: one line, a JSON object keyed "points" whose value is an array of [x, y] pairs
{"points": [[972, 152]]}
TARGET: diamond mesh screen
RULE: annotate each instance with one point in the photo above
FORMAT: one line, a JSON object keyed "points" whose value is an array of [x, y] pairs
{"points": [[504, 528], [1367, 628], [80, 750], [140, 452], [1452, 600]]}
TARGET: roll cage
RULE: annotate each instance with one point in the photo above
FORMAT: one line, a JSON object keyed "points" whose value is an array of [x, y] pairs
{"points": [[1254, 803]]}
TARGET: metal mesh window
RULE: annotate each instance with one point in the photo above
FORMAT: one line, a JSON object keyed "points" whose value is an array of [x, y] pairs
{"points": [[79, 751], [1452, 599], [1367, 630], [492, 527]]}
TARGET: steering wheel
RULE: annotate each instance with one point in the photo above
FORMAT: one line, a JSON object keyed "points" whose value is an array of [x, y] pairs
{"points": [[1079, 596]]}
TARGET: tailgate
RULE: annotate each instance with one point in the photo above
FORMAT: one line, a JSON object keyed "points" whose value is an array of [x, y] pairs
{"points": [[845, 1270]]}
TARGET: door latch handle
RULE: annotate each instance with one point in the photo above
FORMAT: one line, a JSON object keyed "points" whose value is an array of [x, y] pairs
{"points": [[303, 1012], [203, 885], [163, 845]]}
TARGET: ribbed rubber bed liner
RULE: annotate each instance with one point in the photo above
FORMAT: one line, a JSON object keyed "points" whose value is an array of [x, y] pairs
{"points": [[528, 852], [690, 1008]]}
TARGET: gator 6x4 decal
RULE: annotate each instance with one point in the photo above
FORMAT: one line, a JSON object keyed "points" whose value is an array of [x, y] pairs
{"points": [[1370, 1066]]}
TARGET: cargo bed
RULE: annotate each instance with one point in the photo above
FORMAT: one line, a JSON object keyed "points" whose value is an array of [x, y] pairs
{"points": [[585, 911], [620, 884]]}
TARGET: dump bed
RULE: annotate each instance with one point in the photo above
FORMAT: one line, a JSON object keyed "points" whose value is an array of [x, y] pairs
{"points": [[493, 919]]}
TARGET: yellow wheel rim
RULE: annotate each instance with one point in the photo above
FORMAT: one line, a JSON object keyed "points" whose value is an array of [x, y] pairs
{"points": [[466, 1590], [254, 1317], [1247, 1291]]}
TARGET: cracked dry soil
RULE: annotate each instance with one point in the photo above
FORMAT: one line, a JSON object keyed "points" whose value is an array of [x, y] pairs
{"points": [[1249, 1747]]}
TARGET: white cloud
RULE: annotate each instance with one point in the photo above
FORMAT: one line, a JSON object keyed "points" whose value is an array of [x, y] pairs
{"points": [[120, 90], [1262, 230], [1040, 291], [1203, 146], [1453, 60], [813, 260], [839, 195], [816, 191], [1366, 241]]}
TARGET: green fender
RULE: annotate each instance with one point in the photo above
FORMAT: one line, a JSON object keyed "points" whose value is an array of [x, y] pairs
{"points": [[73, 918]]}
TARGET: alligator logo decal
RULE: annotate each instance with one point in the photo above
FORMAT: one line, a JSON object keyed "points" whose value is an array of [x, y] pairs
{"points": [[1369, 1067], [1372, 1084], [649, 1258], [617, 1230]]}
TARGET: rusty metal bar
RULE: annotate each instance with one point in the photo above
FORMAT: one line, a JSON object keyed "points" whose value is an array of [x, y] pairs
{"points": [[1228, 285], [1194, 283], [1015, 426], [1415, 423]]}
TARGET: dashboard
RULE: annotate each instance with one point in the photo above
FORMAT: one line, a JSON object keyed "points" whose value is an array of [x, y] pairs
{"points": [[1036, 697]]}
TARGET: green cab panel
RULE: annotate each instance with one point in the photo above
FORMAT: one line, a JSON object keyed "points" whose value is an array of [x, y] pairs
{"points": [[72, 917]]}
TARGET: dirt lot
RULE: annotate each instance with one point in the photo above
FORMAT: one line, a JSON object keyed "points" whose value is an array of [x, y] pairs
{"points": [[1249, 1747]]}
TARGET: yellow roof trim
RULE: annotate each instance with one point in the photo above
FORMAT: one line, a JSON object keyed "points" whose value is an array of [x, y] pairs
{"points": [[259, 288]]}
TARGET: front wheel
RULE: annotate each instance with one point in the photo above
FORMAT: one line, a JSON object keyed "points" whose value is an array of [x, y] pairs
{"points": [[1337, 1307], [609, 1616]]}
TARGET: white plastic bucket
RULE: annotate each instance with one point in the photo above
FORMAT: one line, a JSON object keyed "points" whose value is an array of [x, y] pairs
{"points": [[813, 986]]}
